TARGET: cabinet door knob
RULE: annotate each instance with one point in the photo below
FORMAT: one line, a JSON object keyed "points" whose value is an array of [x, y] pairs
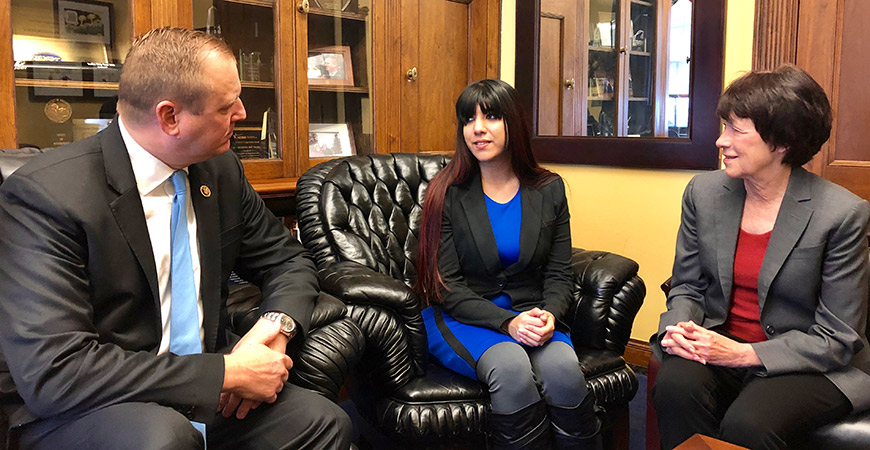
{"points": [[412, 74], [621, 49], [570, 84], [303, 6]]}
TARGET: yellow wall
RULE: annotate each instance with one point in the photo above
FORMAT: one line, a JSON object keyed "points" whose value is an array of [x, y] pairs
{"points": [[633, 212]]}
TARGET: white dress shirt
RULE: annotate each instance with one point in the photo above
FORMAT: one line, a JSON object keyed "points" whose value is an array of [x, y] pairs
{"points": [[153, 180]]}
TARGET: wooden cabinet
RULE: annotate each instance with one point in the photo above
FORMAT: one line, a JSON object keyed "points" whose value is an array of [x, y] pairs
{"points": [[599, 68], [320, 78]]}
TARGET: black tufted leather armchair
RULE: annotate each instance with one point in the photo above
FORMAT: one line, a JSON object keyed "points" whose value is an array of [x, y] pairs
{"points": [[360, 216]]}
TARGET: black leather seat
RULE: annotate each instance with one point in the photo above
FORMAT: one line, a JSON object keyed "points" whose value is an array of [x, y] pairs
{"points": [[360, 216], [335, 343]]}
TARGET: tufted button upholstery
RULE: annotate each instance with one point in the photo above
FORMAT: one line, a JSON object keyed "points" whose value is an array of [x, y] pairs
{"points": [[360, 216]]}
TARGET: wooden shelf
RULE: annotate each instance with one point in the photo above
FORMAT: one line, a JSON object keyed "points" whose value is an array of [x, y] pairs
{"points": [[258, 84], [347, 89], [593, 48], [261, 3], [339, 14], [27, 82], [639, 53], [602, 98], [638, 99], [641, 2]]}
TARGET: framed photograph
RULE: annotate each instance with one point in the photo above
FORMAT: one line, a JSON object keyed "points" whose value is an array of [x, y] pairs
{"points": [[84, 21], [330, 66], [326, 140]]}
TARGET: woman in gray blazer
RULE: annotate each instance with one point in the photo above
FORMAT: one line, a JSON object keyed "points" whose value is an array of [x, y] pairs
{"points": [[764, 336]]}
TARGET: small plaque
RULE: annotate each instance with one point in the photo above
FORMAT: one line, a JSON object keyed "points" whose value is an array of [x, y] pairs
{"points": [[58, 110]]}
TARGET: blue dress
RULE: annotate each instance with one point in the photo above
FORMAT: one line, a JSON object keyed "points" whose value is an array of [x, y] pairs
{"points": [[458, 346]]}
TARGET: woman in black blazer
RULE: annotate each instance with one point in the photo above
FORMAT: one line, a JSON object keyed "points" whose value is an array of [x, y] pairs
{"points": [[764, 337], [494, 264]]}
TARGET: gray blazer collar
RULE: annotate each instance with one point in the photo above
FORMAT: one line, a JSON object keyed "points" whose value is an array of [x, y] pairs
{"points": [[793, 218], [791, 221]]}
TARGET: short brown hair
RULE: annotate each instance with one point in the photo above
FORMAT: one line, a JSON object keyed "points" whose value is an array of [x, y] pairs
{"points": [[788, 108], [165, 64]]}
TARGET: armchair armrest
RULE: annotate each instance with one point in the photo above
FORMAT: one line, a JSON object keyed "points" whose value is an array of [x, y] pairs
{"points": [[322, 361], [608, 294], [388, 313]]}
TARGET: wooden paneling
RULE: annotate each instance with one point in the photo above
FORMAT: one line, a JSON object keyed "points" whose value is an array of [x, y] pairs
{"points": [[637, 353], [450, 43], [550, 75], [8, 138], [571, 64], [775, 33], [444, 69], [172, 13]]}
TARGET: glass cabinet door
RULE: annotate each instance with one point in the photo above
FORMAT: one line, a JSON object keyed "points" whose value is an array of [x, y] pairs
{"points": [[622, 61], [618, 58], [603, 70], [338, 72], [640, 46], [67, 64], [248, 26]]}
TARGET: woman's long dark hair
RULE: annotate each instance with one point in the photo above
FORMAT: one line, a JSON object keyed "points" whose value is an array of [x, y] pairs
{"points": [[499, 99]]}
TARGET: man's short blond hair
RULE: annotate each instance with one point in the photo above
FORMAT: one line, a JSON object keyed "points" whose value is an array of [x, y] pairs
{"points": [[165, 64]]}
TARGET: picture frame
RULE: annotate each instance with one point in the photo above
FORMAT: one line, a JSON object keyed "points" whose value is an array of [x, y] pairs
{"points": [[85, 21], [330, 140], [330, 66]]}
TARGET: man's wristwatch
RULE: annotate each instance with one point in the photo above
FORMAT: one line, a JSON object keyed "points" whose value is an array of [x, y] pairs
{"points": [[288, 325]]}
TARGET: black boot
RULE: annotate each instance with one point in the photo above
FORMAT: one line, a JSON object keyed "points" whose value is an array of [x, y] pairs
{"points": [[527, 429], [576, 428]]}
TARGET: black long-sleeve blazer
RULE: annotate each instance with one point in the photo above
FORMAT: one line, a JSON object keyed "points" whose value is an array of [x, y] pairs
{"points": [[79, 302], [813, 282], [469, 263]]}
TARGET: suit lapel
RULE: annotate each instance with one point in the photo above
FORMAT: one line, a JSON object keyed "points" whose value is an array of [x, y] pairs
{"points": [[530, 228], [126, 205], [474, 208], [729, 212], [793, 218], [205, 206]]}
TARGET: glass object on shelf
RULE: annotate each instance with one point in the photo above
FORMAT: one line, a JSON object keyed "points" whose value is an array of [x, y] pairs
{"points": [[640, 119], [603, 19], [338, 71], [67, 62], [248, 28]]}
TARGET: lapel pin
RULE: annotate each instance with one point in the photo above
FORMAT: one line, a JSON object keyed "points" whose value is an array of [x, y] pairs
{"points": [[205, 191]]}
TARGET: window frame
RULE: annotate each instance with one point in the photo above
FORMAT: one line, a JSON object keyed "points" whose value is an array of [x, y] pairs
{"points": [[698, 152]]}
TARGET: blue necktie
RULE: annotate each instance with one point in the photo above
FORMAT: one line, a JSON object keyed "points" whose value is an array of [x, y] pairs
{"points": [[183, 313]]}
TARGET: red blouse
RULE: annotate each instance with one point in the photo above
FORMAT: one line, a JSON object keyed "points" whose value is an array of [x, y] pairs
{"points": [[744, 317]]}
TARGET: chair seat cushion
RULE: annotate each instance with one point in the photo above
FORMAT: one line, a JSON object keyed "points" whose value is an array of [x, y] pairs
{"points": [[439, 405], [595, 362], [851, 433], [441, 385]]}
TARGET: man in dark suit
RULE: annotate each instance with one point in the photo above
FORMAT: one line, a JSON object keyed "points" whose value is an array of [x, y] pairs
{"points": [[90, 286]]}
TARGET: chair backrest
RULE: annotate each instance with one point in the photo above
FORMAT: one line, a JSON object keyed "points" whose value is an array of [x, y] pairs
{"points": [[366, 209], [12, 159]]}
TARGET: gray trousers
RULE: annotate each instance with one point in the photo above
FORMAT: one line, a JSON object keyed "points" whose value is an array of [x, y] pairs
{"points": [[300, 419], [519, 376]]}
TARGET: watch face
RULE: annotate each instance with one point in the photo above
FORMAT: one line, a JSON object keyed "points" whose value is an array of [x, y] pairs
{"points": [[287, 324]]}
